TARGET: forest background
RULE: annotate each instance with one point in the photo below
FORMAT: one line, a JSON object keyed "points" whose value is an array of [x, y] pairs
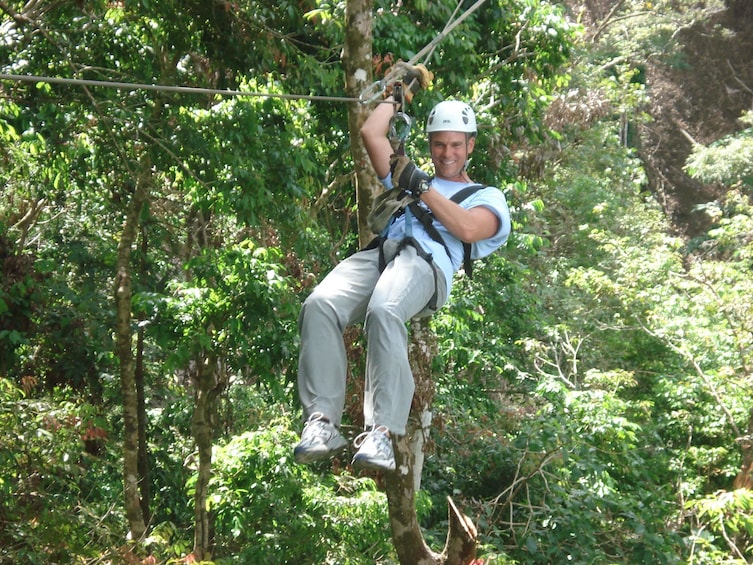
{"points": [[592, 382]]}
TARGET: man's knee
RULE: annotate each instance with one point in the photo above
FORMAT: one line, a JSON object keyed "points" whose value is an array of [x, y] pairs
{"points": [[319, 310], [316, 305], [381, 315]]}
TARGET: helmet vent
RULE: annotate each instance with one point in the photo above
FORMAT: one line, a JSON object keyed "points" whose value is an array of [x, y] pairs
{"points": [[451, 115]]}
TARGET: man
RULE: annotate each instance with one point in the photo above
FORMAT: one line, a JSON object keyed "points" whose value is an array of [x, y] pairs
{"points": [[408, 274]]}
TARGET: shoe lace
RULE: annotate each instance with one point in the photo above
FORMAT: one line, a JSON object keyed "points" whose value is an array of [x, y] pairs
{"points": [[378, 436], [360, 438], [316, 424], [315, 417]]}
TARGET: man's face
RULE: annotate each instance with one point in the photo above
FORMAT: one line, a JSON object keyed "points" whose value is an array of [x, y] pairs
{"points": [[449, 152]]}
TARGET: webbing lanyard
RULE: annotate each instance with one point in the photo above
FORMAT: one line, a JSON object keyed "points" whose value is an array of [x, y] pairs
{"points": [[408, 222]]}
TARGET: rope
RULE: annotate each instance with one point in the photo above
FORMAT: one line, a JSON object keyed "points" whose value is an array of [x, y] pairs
{"points": [[440, 36], [389, 79], [167, 88], [373, 93]]}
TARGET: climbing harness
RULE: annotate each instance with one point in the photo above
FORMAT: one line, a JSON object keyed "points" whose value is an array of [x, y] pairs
{"points": [[426, 218]]}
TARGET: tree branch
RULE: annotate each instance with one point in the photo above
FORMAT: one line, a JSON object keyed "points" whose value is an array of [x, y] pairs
{"points": [[699, 371], [607, 21]]}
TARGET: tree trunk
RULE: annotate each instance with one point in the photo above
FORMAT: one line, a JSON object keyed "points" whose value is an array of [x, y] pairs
{"points": [[421, 351], [462, 538], [402, 485], [134, 514], [143, 455], [358, 75], [140, 377], [744, 478], [210, 383], [401, 499]]}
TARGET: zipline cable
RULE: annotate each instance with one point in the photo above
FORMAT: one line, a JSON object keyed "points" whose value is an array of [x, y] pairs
{"points": [[444, 31], [391, 77], [450, 25], [168, 88]]}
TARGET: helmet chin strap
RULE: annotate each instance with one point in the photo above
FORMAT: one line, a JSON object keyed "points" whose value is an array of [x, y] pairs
{"points": [[465, 165]]}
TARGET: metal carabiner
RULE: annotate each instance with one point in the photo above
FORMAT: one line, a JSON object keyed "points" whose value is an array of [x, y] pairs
{"points": [[374, 92], [400, 130]]}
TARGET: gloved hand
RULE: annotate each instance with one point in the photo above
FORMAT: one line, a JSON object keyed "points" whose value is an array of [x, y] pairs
{"points": [[407, 176], [415, 79], [384, 207]]}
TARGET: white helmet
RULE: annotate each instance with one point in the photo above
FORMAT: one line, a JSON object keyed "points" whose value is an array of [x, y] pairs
{"points": [[451, 115]]}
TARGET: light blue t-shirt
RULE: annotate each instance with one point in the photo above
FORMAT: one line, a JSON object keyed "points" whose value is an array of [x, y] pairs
{"points": [[408, 226]]}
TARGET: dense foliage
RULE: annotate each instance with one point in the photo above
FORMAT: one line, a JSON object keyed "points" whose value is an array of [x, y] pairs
{"points": [[593, 380]]}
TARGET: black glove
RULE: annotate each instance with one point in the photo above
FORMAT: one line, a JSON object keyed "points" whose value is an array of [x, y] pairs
{"points": [[407, 176]]}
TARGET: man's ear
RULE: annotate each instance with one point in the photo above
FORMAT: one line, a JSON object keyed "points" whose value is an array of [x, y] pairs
{"points": [[471, 144]]}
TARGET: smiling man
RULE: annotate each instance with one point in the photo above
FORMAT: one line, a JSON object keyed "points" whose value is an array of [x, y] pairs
{"points": [[407, 272]]}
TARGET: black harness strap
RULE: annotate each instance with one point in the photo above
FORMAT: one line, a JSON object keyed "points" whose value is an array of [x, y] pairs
{"points": [[426, 257], [378, 242], [427, 220]]}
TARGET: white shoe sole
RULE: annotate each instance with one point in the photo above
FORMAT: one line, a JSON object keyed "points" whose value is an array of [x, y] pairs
{"points": [[366, 464], [311, 455]]}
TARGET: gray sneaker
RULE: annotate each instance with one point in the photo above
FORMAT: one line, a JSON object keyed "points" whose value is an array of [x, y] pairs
{"points": [[319, 439], [374, 451]]}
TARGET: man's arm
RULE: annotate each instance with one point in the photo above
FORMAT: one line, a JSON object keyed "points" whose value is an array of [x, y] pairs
{"points": [[374, 135], [470, 225]]}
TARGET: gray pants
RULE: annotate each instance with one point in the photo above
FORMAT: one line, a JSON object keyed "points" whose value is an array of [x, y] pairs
{"points": [[356, 291]]}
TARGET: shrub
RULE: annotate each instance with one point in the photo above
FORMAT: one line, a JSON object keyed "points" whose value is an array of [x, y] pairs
{"points": [[269, 510]]}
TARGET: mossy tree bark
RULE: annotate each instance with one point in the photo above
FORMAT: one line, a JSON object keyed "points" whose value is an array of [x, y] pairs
{"points": [[211, 381], [358, 75]]}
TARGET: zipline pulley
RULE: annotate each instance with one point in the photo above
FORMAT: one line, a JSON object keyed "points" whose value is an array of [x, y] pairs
{"points": [[375, 91]]}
